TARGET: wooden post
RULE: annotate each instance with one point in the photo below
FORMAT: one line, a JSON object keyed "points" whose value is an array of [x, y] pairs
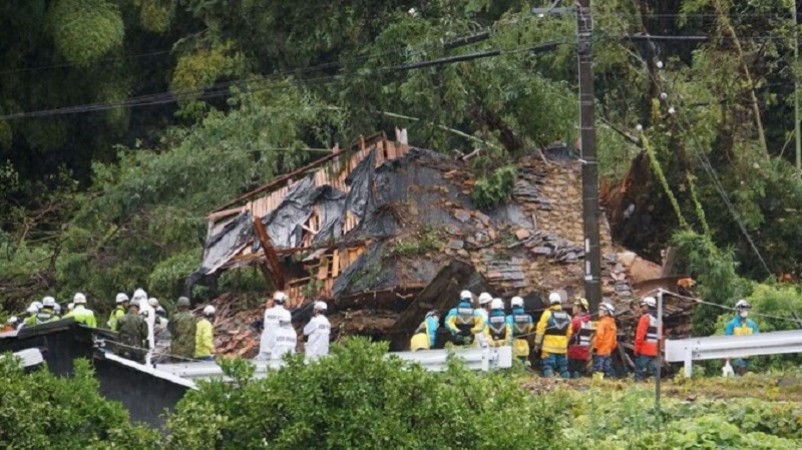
{"points": [[272, 265]]}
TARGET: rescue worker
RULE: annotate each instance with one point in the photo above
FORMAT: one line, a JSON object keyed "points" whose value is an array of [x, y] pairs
{"points": [[522, 327], [132, 332], [581, 334], [553, 332], [464, 322], [204, 335], [161, 350], [11, 324], [483, 300], [646, 340], [317, 332], [605, 341], [148, 313], [426, 333], [741, 325], [497, 330], [80, 313], [273, 315], [46, 313], [119, 310], [284, 338], [182, 328], [33, 309]]}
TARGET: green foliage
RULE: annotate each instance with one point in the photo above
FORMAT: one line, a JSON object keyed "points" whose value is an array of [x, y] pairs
{"points": [[606, 419], [358, 398], [426, 240], [714, 270], [40, 410], [494, 189], [86, 30], [168, 275]]}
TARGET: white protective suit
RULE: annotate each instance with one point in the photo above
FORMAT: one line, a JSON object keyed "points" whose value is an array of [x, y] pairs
{"points": [[481, 339], [284, 341], [318, 329], [148, 313], [272, 317]]}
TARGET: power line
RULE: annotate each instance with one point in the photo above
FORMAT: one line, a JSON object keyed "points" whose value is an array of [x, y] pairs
{"points": [[221, 89]]}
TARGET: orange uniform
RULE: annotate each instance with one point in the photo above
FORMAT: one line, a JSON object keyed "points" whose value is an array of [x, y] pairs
{"points": [[646, 335], [606, 336]]}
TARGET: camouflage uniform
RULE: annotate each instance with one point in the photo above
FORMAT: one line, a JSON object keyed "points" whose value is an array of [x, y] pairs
{"points": [[132, 331], [182, 327]]}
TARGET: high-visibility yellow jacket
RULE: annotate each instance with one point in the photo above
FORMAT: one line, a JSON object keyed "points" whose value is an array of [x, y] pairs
{"points": [[497, 330], [553, 331], [83, 315], [204, 339], [115, 315]]}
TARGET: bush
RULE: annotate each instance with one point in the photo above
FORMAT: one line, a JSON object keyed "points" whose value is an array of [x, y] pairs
{"points": [[358, 398], [494, 189], [40, 410]]}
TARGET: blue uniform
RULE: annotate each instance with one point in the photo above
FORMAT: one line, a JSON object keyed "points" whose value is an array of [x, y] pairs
{"points": [[740, 326]]}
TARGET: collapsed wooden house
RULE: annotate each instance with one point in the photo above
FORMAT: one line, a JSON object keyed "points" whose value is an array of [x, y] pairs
{"points": [[369, 227]]}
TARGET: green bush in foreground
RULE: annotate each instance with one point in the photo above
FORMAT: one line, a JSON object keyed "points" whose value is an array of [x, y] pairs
{"points": [[358, 398], [626, 420], [42, 411]]}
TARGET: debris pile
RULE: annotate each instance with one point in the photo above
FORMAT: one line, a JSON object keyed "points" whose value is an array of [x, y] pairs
{"points": [[370, 229]]}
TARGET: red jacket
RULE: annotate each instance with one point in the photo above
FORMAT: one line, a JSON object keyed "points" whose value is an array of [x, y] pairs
{"points": [[646, 336], [581, 331]]}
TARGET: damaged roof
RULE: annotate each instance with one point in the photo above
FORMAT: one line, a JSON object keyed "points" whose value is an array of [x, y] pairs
{"points": [[368, 228], [384, 216]]}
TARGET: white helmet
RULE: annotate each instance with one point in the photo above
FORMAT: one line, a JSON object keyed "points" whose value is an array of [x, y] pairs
{"points": [[497, 303], [134, 304], [485, 298], [13, 320], [280, 297], [555, 299], [154, 302], [320, 306], [37, 304], [70, 306], [208, 310], [517, 301], [140, 294], [608, 307], [466, 295], [79, 298], [742, 304], [32, 309], [649, 301], [48, 302], [121, 298]]}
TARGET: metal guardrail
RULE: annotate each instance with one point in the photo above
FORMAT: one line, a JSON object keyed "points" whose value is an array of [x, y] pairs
{"points": [[720, 347], [29, 357], [186, 374]]}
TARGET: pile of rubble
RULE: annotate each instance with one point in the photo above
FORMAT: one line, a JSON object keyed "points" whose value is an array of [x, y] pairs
{"points": [[395, 219]]}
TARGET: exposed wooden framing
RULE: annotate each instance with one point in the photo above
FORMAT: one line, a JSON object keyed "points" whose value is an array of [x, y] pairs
{"points": [[225, 213], [271, 258], [335, 152]]}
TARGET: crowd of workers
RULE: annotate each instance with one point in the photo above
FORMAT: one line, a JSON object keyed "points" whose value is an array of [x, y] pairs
{"points": [[571, 346], [146, 334]]}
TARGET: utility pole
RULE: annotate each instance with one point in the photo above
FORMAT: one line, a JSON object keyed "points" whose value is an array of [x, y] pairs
{"points": [[590, 167], [797, 136]]}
